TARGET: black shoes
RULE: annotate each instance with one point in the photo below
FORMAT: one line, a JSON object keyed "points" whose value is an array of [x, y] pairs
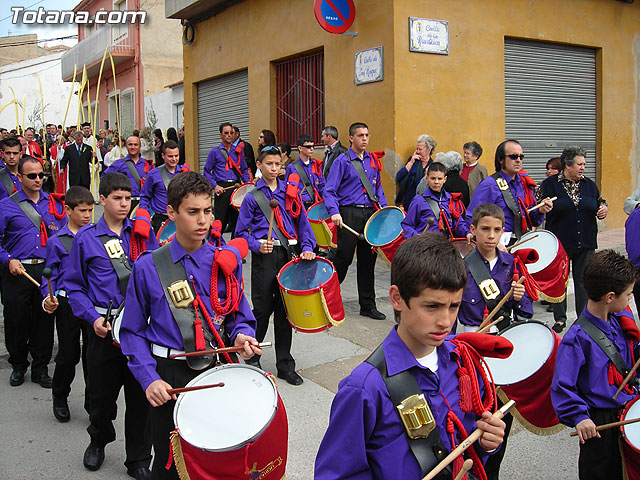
{"points": [[291, 377], [142, 473], [61, 410], [43, 379], [93, 457], [374, 313], [16, 378], [558, 327]]}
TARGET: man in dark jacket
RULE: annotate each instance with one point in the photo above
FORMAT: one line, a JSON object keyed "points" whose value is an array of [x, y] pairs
{"points": [[333, 147], [78, 157]]}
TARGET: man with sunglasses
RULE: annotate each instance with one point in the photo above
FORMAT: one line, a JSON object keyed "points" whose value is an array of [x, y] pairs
{"points": [[26, 219], [309, 170], [513, 190]]}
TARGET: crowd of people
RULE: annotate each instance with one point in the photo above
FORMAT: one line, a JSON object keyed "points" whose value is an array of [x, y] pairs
{"points": [[126, 306]]}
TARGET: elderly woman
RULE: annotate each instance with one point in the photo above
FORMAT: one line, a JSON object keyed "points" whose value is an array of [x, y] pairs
{"points": [[454, 184], [573, 221], [472, 172], [409, 176]]}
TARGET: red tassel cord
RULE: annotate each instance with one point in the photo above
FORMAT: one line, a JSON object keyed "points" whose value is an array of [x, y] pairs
{"points": [[280, 223], [54, 199], [233, 288], [44, 235], [530, 284]]}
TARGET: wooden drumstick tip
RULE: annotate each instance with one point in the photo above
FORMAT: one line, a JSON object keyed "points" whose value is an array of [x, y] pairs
{"points": [[466, 466]]}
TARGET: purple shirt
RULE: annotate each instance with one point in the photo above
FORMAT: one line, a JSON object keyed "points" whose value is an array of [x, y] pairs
{"points": [[16, 183], [472, 306], [253, 226], [365, 439], [488, 192], [146, 300], [317, 180], [215, 167], [20, 237], [419, 212], [343, 186], [580, 377], [154, 193], [120, 166], [58, 260], [91, 280]]}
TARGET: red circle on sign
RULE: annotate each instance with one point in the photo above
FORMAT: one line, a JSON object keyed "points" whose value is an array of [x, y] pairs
{"points": [[333, 16]]}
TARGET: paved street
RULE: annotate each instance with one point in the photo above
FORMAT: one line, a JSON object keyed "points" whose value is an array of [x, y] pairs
{"points": [[35, 446]]}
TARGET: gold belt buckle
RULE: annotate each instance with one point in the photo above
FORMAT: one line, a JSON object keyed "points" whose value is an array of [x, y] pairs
{"points": [[181, 294], [489, 289], [416, 416], [113, 248]]}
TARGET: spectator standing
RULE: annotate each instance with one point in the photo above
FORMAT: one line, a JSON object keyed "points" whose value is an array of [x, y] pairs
{"points": [[409, 176], [455, 184], [333, 147], [472, 172]]}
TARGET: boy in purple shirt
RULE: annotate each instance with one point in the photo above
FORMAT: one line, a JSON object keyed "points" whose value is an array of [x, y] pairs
{"points": [[78, 207], [309, 170], [366, 438], [585, 379], [148, 343]]}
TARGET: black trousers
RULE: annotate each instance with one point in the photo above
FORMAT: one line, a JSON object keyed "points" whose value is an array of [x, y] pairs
{"points": [[492, 467], [108, 373], [157, 220], [69, 329], [578, 258], [222, 208], [356, 218], [28, 329], [266, 299], [600, 457]]}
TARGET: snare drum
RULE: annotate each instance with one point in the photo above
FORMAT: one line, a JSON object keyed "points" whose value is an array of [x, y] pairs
{"points": [[311, 294], [463, 246], [115, 327], [322, 226], [166, 232], [239, 193], [247, 441], [631, 432], [551, 269], [383, 231]]}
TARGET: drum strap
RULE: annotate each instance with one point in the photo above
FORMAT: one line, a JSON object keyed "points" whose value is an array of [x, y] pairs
{"points": [[263, 203], [609, 349], [7, 183], [511, 203], [118, 259], [427, 451], [134, 173], [166, 176], [29, 210], [366, 183], [486, 284], [435, 208], [302, 173], [66, 241], [171, 274]]}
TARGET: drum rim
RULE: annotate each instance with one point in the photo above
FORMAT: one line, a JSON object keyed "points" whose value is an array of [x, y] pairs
{"points": [[366, 226], [319, 221], [166, 222], [460, 240], [115, 328], [236, 190], [309, 291], [623, 432], [220, 368], [527, 245]]}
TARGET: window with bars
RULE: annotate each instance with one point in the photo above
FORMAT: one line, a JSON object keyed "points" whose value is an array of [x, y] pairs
{"points": [[300, 97]]}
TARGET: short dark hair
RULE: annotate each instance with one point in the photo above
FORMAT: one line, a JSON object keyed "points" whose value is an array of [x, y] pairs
{"points": [[500, 153], [554, 163], [11, 142], [302, 139], [113, 181], [437, 167], [268, 150], [284, 147], [27, 159], [269, 137], [354, 126], [225, 124], [413, 268], [474, 147], [236, 129], [184, 184], [77, 195], [85, 124], [569, 154], [486, 210], [608, 271], [169, 144]]}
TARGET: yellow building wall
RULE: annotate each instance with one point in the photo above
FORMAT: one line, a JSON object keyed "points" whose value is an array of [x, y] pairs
{"points": [[460, 97]]}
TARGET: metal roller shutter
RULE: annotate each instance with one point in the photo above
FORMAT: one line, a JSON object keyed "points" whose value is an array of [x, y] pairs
{"points": [[223, 99], [550, 101]]}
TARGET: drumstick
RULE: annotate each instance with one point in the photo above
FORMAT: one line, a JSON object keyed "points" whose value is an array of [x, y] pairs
{"points": [[216, 350], [517, 244], [466, 466], [430, 221], [273, 203], [235, 185], [359, 235], [500, 303], [610, 425], [540, 204], [627, 378], [488, 327], [46, 273], [466, 443], [30, 278], [171, 391]]}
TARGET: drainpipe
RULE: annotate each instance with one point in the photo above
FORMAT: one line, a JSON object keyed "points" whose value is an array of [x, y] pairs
{"points": [[139, 74]]}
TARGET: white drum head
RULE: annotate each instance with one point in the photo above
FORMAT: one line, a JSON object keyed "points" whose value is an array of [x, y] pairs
{"points": [[632, 431], [533, 344], [545, 243], [245, 406], [115, 326]]}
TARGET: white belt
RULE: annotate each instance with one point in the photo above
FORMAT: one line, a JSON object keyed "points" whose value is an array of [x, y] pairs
{"points": [[101, 310], [32, 261], [276, 243], [164, 352]]}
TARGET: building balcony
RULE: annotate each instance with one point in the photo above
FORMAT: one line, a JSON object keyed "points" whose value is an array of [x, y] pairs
{"points": [[193, 10], [89, 51]]}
